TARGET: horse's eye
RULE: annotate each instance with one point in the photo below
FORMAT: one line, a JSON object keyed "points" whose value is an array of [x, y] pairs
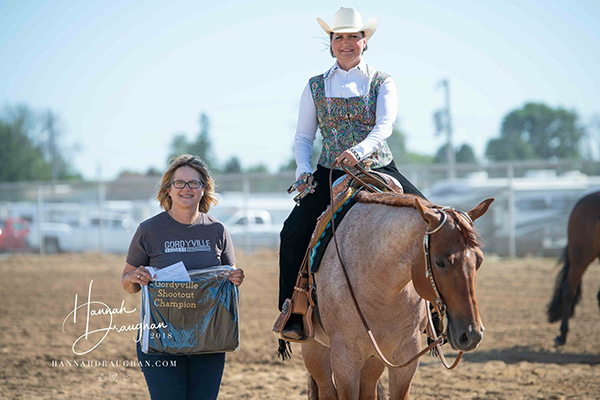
{"points": [[440, 264]]}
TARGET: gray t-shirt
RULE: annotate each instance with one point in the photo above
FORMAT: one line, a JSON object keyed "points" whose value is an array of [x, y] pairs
{"points": [[161, 241]]}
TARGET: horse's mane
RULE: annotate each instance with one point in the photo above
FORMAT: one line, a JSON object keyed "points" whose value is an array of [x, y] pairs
{"points": [[391, 199], [408, 200]]}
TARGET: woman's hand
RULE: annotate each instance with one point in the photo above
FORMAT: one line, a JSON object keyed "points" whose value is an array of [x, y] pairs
{"points": [[139, 275], [134, 277], [236, 276], [347, 158], [308, 182]]}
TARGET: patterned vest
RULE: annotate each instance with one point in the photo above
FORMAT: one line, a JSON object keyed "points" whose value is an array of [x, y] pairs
{"points": [[344, 123]]}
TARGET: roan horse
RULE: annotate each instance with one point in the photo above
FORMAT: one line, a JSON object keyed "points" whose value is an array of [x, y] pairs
{"points": [[381, 246], [583, 247]]}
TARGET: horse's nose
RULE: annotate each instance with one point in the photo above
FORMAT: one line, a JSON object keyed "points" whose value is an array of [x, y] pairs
{"points": [[470, 338]]}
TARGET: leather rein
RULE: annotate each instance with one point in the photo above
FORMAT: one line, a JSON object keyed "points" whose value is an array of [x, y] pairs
{"points": [[440, 305]]}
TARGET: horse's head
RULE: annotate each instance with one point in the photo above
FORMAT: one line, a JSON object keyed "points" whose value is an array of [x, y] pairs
{"points": [[454, 257]]}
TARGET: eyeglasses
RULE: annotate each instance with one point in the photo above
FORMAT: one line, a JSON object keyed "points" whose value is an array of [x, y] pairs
{"points": [[191, 184]]}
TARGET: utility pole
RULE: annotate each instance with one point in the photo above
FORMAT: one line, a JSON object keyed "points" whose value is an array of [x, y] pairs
{"points": [[443, 122], [52, 146]]}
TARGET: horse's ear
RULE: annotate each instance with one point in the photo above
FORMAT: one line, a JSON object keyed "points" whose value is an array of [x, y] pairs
{"points": [[428, 214], [480, 209]]}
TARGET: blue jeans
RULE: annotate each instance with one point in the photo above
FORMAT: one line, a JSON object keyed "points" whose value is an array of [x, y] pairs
{"points": [[170, 377]]}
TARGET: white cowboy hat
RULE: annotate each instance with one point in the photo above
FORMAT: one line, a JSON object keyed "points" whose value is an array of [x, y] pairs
{"points": [[347, 20]]}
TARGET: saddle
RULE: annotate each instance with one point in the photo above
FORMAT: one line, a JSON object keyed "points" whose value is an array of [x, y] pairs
{"points": [[344, 190]]}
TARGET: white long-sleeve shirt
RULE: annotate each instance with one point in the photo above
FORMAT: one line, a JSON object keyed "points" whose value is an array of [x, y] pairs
{"points": [[339, 83]]}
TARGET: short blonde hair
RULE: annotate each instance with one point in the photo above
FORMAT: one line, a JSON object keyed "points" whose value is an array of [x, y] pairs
{"points": [[166, 181]]}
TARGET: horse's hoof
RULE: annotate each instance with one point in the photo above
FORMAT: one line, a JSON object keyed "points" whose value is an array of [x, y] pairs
{"points": [[559, 341]]}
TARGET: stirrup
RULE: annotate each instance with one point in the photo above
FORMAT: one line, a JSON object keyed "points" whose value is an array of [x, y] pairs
{"points": [[295, 322]]}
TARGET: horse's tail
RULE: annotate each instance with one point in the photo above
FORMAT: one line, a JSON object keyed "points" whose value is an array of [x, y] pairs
{"points": [[557, 305]]}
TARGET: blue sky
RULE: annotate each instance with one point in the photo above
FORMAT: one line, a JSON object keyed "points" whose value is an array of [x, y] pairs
{"points": [[125, 76]]}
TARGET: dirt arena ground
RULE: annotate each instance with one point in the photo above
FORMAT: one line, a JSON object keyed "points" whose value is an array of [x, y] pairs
{"points": [[516, 360]]}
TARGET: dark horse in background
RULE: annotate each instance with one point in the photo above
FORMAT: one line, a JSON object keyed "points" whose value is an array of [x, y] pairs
{"points": [[583, 247]]}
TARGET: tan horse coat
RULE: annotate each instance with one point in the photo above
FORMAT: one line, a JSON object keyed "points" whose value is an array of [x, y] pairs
{"points": [[382, 250]]}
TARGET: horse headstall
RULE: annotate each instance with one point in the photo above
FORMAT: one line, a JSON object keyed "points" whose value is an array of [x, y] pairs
{"points": [[439, 301]]}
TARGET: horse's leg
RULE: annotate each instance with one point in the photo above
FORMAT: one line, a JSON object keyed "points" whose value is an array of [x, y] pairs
{"points": [[579, 257], [317, 362], [401, 378], [400, 381], [369, 379], [598, 296], [346, 364]]}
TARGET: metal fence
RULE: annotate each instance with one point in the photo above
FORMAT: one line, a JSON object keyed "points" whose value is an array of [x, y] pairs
{"points": [[533, 200]]}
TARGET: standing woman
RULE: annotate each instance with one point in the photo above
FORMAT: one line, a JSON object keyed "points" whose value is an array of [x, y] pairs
{"points": [[186, 194], [354, 107]]}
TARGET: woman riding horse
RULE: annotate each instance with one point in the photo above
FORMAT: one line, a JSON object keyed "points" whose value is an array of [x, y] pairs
{"points": [[354, 107]]}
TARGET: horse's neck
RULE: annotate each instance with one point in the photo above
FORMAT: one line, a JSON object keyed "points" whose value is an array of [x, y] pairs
{"points": [[408, 229], [389, 242]]}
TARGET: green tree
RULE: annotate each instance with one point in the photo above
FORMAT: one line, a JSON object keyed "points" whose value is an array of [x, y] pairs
{"points": [[593, 136], [201, 146], [397, 144], [441, 156], [20, 160], [54, 152], [153, 172], [466, 155], [537, 131], [179, 145], [31, 148], [233, 166], [513, 148], [290, 165], [463, 155], [258, 169]]}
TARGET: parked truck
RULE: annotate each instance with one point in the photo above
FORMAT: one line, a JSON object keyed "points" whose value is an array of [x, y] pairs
{"points": [[110, 233], [13, 234]]}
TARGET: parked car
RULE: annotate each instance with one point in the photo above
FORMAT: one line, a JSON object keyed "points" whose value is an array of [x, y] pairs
{"points": [[13, 234], [111, 233], [252, 228]]}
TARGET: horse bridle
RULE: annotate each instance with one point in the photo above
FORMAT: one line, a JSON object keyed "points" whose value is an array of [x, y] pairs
{"points": [[440, 305]]}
